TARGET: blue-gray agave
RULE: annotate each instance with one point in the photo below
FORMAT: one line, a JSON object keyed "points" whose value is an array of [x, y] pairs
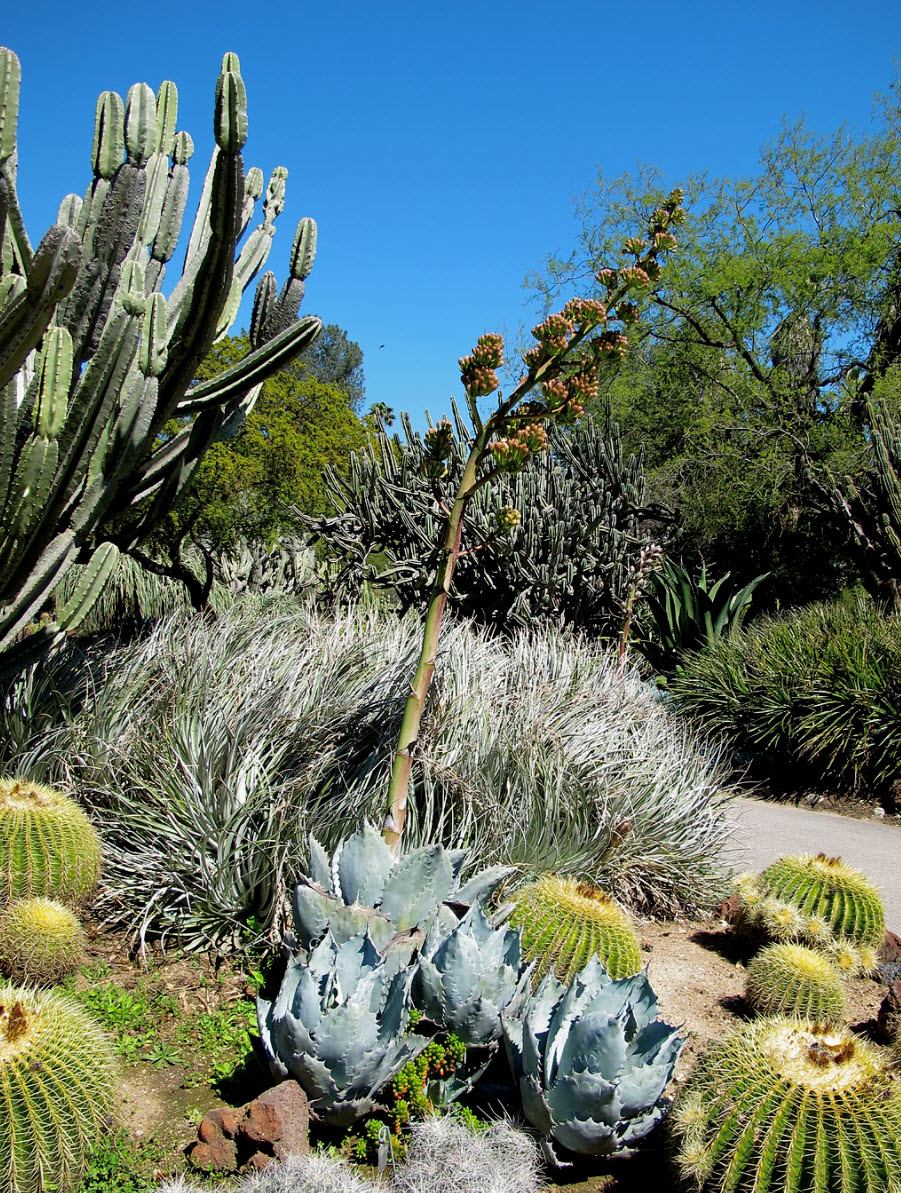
{"points": [[591, 1061], [468, 977], [337, 1026], [366, 889]]}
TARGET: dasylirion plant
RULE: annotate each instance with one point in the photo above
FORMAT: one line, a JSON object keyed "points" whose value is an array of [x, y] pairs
{"points": [[48, 846], [561, 376], [819, 901], [365, 888], [564, 923], [782, 1106], [338, 1025], [796, 982], [96, 363], [591, 1060], [57, 1082], [41, 941]]}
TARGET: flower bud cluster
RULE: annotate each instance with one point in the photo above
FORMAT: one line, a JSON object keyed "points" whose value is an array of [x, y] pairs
{"points": [[553, 334], [650, 556], [585, 313], [477, 371], [627, 312], [608, 278], [635, 277], [508, 519], [612, 343], [634, 245], [664, 242], [511, 453], [439, 439]]}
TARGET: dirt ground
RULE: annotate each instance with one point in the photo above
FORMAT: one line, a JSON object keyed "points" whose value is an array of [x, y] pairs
{"points": [[697, 969]]}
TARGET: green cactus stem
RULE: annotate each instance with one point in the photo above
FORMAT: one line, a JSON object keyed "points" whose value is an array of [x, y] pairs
{"points": [[41, 941], [782, 1106], [797, 982], [825, 886], [57, 1083], [48, 845], [565, 923]]}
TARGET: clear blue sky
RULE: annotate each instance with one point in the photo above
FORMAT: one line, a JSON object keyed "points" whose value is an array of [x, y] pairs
{"points": [[439, 146]]}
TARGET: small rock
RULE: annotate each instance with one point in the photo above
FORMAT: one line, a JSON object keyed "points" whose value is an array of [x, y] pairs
{"points": [[273, 1126], [889, 1018], [890, 949], [730, 910], [879, 813]]}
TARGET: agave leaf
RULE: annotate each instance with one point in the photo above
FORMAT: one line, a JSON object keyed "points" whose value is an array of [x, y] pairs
{"points": [[311, 910], [642, 1087], [320, 870], [354, 920], [595, 1043], [362, 864], [481, 885], [418, 883]]}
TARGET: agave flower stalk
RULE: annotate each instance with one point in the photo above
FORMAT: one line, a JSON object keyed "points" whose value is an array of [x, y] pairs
{"points": [[562, 376]]}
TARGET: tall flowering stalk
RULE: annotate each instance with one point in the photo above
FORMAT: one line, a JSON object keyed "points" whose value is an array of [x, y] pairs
{"points": [[561, 378]]}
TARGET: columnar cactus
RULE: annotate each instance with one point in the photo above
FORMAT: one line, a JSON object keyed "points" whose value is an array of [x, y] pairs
{"points": [[48, 845], [40, 941], [565, 923], [797, 982], [57, 1081], [782, 1106], [95, 361]]}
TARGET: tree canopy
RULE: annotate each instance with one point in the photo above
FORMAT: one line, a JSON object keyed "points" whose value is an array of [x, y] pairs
{"points": [[771, 330]]}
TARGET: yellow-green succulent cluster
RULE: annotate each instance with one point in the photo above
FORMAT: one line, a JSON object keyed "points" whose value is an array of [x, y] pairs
{"points": [[41, 941]]}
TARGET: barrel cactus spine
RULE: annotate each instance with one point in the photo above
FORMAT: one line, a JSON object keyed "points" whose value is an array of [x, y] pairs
{"points": [[41, 941], [781, 1106], [825, 887], [57, 1085], [565, 923], [796, 982], [48, 846]]}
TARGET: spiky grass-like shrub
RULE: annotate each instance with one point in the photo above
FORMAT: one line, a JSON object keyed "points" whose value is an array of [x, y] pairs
{"points": [[781, 1106], [57, 1083], [48, 845], [565, 923], [797, 982], [211, 750], [40, 941], [809, 698]]}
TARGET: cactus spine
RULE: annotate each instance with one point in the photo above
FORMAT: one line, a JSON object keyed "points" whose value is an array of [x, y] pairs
{"points": [[565, 923], [782, 1106], [825, 887], [57, 1079], [41, 941], [94, 361], [48, 845], [796, 982]]}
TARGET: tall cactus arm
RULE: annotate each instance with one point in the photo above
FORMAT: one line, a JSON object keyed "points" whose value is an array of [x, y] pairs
{"points": [[24, 320], [254, 368]]}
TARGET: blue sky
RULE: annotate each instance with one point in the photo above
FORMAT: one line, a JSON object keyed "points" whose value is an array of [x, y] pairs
{"points": [[439, 146]]}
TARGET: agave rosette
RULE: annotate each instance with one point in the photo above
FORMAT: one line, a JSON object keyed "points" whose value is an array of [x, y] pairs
{"points": [[467, 978], [592, 1061], [365, 888], [338, 1024]]}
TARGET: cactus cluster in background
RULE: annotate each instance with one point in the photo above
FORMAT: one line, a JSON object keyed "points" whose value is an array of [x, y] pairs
{"points": [[591, 1061], [41, 941], [819, 901], [48, 846], [796, 982], [57, 1074], [558, 537], [95, 362], [564, 923], [785, 1106]]}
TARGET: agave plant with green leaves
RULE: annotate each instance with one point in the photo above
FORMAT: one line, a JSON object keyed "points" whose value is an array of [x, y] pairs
{"points": [[338, 1024], [365, 888], [688, 614], [592, 1061]]}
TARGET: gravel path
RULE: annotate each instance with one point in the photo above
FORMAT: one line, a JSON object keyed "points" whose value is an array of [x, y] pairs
{"points": [[765, 831]]}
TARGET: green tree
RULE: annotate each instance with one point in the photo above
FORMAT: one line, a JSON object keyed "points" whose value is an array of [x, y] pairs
{"points": [[337, 360], [252, 486], [773, 326]]}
